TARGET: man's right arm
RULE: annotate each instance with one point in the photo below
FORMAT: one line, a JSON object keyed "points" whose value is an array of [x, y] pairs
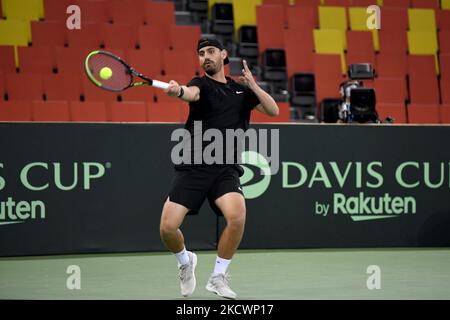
{"points": [[188, 94]]}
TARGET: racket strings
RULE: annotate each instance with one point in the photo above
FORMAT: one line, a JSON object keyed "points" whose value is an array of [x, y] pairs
{"points": [[120, 78]]}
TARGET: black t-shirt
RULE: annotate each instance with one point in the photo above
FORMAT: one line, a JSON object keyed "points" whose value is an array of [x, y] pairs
{"points": [[221, 106]]}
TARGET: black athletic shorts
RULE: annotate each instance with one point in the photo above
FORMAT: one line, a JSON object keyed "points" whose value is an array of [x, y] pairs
{"points": [[191, 185]]}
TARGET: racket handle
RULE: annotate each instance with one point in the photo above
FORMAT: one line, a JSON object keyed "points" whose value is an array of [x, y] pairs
{"points": [[160, 84]]}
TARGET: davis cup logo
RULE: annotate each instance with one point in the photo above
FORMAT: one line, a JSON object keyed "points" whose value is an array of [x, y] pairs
{"points": [[261, 167]]}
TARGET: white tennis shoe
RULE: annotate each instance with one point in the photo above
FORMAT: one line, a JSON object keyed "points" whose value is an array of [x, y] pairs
{"points": [[187, 275], [218, 284]]}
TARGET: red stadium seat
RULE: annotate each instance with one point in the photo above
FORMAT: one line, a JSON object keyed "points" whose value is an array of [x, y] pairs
{"points": [[445, 113], [139, 94], [153, 38], [48, 33], [95, 11], [184, 37], [33, 90], [361, 57], [308, 3], [93, 93], [423, 80], [166, 111], [360, 41], [180, 62], [15, 111], [445, 77], [88, 111], [444, 41], [423, 113], [337, 3], [121, 36], [391, 65], [277, 2], [284, 116], [128, 11], [425, 3], [362, 3], [88, 37], [443, 19], [393, 41], [7, 60], [445, 66], [160, 14], [128, 112], [62, 87], [2, 86], [51, 111], [302, 18], [445, 90], [299, 48], [360, 48], [55, 10], [70, 61], [270, 25], [396, 3], [390, 90], [148, 61], [328, 76], [184, 113], [396, 111], [37, 59], [394, 19]]}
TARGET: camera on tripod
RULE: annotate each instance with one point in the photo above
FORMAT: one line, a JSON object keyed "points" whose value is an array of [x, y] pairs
{"points": [[358, 103]]}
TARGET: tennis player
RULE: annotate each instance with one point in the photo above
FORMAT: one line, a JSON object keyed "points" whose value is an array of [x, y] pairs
{"points": [[220, 103]]}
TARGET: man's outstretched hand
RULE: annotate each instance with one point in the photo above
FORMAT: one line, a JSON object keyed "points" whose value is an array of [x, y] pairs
{"points": [[173, 90], [247, 77]]}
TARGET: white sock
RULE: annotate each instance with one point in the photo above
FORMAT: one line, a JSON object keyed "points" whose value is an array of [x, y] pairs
{"points": [[221, 265], [182, 257]]}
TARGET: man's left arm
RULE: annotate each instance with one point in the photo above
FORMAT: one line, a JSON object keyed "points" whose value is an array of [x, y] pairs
{"points": [[267, 104]]}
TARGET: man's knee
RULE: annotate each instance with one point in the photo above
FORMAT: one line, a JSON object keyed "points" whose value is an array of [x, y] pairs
{"points": [[237, 219], [167, 228], [171, 218]]}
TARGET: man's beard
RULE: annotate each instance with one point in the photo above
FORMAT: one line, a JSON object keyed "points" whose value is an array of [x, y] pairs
{"points": [[212, 68]]}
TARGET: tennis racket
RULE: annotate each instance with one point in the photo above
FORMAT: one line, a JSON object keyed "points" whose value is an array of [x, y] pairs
{"points": [[110, 72]]}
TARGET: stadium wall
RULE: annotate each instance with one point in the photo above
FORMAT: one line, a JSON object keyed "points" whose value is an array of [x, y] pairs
{"points": [[91, 188]]}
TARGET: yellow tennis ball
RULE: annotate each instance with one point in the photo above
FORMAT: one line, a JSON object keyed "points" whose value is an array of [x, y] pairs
{"points": [[105, 73]]}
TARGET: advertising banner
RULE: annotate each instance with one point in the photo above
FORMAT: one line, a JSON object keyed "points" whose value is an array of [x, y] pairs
{"points": [[353, 186], [76, 188]]}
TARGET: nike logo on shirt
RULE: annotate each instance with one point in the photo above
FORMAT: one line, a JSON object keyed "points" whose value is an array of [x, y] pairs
{"points": [[239, 92]]}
